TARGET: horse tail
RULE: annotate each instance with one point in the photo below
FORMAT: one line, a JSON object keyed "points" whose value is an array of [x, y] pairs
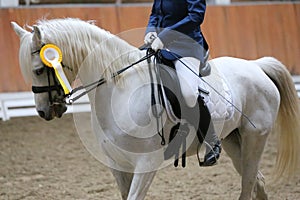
{"points": [[287, 123]]}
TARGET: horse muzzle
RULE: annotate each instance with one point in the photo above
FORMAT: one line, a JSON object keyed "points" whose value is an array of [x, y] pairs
{"points": [[56, 110]]}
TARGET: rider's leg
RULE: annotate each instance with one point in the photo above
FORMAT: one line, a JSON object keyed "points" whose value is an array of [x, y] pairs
{"points": [[189, 83], [213, 147]]}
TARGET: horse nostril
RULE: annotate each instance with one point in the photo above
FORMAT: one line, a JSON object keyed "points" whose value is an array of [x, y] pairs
{"points": [[41, 114]]}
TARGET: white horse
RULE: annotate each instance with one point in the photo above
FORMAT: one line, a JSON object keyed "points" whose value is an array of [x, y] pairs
{"points": [[262, 89]]}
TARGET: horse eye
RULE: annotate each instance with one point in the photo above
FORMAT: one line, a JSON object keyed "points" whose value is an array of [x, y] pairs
{"points": [[39, 71]]}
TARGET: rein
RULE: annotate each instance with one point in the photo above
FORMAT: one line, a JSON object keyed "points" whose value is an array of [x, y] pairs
{"points": [[101, 81], [89, 87]]}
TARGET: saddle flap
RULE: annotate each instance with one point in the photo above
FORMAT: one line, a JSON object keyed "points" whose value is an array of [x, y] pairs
{"points": [[170, 87]]}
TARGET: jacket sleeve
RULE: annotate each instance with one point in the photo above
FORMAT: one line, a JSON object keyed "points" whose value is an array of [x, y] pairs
{"points": [[153, 20], [194, 18]]}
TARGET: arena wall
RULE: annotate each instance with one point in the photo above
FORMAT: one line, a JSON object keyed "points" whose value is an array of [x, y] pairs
{"points": [[246, 31]]}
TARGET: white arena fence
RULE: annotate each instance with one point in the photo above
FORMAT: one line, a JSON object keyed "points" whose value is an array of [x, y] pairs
{"points": [[297, 83], [21, 104]]}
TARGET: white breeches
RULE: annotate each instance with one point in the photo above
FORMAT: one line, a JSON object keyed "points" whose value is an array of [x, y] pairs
{"points": [[189, 82]]}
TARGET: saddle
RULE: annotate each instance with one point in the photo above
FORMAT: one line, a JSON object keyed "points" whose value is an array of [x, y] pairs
{"points": [[171, 98]]}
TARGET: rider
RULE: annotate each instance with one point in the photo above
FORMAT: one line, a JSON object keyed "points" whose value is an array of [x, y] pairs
{"points": [[174, 26]]}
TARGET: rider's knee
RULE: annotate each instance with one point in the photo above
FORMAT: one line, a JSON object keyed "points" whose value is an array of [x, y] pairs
{"points": [[190, 98]]}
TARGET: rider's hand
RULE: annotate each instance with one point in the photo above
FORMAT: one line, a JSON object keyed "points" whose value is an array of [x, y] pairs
{"points": [[157, 44], [150, 37]]}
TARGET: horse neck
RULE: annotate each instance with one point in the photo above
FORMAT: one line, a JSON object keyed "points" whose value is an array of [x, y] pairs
{"points": [[107, 57]]}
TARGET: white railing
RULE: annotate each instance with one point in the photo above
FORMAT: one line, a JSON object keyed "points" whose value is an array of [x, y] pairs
{"points": [[21, 104], [296, 79]]}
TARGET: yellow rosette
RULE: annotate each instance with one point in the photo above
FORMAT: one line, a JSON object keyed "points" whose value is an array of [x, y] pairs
{"points": [[51, 56]]}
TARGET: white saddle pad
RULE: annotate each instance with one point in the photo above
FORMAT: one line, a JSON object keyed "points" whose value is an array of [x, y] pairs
{"points": [[219, 100]]}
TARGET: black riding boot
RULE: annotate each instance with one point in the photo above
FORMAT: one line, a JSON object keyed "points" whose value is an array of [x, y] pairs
{"points": [[206, 127], [213, 155]]}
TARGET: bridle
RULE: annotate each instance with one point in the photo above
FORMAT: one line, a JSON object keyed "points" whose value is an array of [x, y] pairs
{"points": [[56, 87], [49, 88]]}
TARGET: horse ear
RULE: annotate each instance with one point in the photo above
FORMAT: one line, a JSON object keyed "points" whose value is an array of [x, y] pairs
{"points": [[19, 30], [37, 36]]}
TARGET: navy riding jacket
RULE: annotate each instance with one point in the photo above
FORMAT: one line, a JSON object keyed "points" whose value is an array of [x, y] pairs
{"points": [[177, 23]]}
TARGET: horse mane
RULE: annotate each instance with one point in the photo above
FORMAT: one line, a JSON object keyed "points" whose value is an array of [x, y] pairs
{"points": [[83, 44], [25, 55]]}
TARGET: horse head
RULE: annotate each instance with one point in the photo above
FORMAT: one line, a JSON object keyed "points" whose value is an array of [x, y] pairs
{"points": [[49, 95], [81, 44]]}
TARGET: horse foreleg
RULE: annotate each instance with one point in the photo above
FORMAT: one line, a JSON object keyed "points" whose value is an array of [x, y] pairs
{"points": [[123, 180], [252, 148], [140, 185]]}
